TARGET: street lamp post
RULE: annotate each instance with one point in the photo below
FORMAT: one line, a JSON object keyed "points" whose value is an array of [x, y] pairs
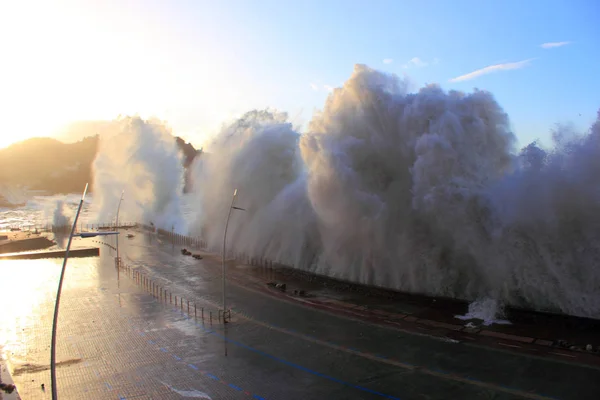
{"points": [[232, 207], [117, 224], [60, 282]]}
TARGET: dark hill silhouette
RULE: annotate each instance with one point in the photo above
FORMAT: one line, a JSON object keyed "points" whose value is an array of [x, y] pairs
{"points": [[55, 167]]}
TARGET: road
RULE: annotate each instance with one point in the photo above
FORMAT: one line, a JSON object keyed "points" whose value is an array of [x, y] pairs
{"points": [[119, 342]]}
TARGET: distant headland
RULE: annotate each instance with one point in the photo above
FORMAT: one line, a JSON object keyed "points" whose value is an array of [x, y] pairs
{"points": [[50, 166]]}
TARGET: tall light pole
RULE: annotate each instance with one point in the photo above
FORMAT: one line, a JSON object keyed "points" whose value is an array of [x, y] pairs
{"points": [[60, 282], [117, 224], [119, 209], [232, 207]]}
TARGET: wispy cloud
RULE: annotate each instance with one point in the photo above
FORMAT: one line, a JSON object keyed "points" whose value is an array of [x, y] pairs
{"points": [[492, 68], [314, 86], [551, 45], [387, 61], [417, 62], [328, 88]]}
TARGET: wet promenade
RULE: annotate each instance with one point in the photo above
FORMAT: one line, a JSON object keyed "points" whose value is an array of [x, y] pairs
{"points": [[117, 341]]}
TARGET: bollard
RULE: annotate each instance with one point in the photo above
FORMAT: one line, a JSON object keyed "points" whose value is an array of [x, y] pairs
{"points": [[175, 300], [195, 316], [188, 307], [202, 313], [181, 302], [170, 298]]}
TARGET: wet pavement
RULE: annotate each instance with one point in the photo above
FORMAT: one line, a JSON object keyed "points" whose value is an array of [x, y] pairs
{"points": [[117, 341]]}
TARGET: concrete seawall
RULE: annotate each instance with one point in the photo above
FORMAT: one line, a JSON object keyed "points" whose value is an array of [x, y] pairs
{"points": [[27, 244], [36, 255]]}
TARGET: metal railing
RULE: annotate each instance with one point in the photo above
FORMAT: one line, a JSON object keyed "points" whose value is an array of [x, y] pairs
{"points": [[48, 227]]}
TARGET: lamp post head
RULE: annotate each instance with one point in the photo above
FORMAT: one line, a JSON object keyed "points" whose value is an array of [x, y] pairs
{"points": [[85, 235]]}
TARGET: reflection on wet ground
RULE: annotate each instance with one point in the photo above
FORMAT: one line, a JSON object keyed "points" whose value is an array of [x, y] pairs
{"points": [[30, 368], [118, 342]]}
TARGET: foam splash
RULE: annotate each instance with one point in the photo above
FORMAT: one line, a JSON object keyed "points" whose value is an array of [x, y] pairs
{"points": [[189, 393], [258, 155], [487, 310], [421, 192], [11, 196], [60, 218], [141, 158]]}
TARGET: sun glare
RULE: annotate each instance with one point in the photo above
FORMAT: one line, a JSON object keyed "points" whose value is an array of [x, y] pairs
{"points": [[66, 65]]}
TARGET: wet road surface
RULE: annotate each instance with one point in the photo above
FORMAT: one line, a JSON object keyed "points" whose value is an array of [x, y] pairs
{"points": [[117, 341]]}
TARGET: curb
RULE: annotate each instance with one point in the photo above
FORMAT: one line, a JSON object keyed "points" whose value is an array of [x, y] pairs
{"points": [[443, 330]]}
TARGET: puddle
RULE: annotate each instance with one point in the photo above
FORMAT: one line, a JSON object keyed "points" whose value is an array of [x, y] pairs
{"points": [[185, 327], [33, 368], [189, 393]]}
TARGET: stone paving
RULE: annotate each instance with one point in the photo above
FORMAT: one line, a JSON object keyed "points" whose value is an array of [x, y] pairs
{"points": [[119, 341], [516, 374]]}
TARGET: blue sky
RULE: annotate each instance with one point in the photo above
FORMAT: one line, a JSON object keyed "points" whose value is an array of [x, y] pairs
{"points": [[198, 63]]}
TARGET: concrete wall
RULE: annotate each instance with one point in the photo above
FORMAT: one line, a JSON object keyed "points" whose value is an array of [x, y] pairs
{"points": [[29, 244]]}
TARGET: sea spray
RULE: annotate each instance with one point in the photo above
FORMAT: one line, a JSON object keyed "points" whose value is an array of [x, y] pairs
{"points": [[421, 192], [258, 155], [61, 221], [393, 176], [141, 158], [487, 310]]}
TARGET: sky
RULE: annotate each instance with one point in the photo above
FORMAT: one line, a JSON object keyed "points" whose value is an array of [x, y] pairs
{"points": [[198, 64]]}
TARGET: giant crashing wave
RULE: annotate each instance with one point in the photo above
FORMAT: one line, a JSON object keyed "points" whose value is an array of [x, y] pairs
{"points": [[421, 192], [139, 159]]}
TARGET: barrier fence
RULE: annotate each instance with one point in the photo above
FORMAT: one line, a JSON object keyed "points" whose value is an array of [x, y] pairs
{"points": [[42, 228], [164, 295], [284, 270], [199, 243]]}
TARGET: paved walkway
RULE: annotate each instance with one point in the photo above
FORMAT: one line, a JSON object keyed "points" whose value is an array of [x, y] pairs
{"points": [[115, 342], [118, 341], [522, 374]]}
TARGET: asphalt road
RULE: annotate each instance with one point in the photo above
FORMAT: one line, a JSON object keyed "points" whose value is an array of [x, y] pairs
{"points": [[312, 354], [116, 341]]}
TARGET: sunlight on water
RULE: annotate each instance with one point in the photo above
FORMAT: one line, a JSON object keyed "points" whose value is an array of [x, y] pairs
{"points": [[27, 286], [28, 294]]}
